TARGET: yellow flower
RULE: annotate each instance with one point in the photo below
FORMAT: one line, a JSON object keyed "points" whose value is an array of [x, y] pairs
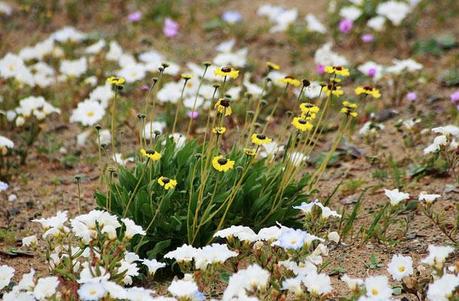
{"points": [[223, 107], [116, 81], [185, 76], [338, 70], [332, 89], [250, 152], [260, 139], [227, 71], [150, 154], [367, 90], [290, 80], [306, 107], [301, 124], [167, 183], [219, 130], [222, 164], [272, 66], [349, 109]]}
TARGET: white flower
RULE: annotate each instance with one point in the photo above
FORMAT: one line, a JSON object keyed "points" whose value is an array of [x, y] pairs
{"points": [[428, 198], [5, 8], [215, 253], [95, 48], [306, 208], [438, 142], [352, 283], [400, 267], [74, 68], [67, 34], [313, 24], [394, 11], [269, 234], [153, 265], [350, 12], [6, 143], [53, 225], [437, 255], [291, 239], [252, 278], [184, 253], [236, 231], [377, 23], [29, 241], [333, 236], [139, 294], [313, 90], [395, 196], [370, 127], [236, 58], [91, 291], [12, 66], [36, 106], [378, 288], [152, 127], [442, 289], [293, 285], [3, 186], [102, 94], [271, 149], [327, 57], [447, 130], [6, 273], [115, 51], [408, 65], [27, 282], [131, 228], [170, 92], [371, 69], [317, 284], [183, 288], [133, 73], [46, 287], [88, 113]]}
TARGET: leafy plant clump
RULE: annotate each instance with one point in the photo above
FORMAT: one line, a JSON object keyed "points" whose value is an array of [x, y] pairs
{"points": [[204, 200]]}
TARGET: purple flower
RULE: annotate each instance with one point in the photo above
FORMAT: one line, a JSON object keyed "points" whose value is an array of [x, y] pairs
{"points": [[345, 25], [372, 72], [455, 98], [231, 16], [193, 114], [144, 87], [368, 38], [320, 69], [411, 96], [135, 16], [170, 28]]}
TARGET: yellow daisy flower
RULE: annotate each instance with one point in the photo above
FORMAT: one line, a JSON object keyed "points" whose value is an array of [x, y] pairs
{"points": [[290, 80], [167, 183], [222, 164], [306, 107], [301, 124], [227, 71], [219, 130], [367, 90], [260, 139], [334, 90], [272, 66], [349, 109], [116, 81], [150, 154], [223, 107], [338, 70], [250, 152]]}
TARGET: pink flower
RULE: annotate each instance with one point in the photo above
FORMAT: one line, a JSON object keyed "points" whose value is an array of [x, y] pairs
{"points": [[372, 72], [170, 28], [135, 16], [368, 38], [193, 114], [345, 25], [320, 69], [411, 96], [455, 98]]}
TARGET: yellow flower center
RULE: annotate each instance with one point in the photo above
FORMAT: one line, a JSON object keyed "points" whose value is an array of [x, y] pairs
{"points": [[374, 292]]}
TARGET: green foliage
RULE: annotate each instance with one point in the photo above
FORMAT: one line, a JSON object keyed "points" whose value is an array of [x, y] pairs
{"points": [[204, 200]]}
